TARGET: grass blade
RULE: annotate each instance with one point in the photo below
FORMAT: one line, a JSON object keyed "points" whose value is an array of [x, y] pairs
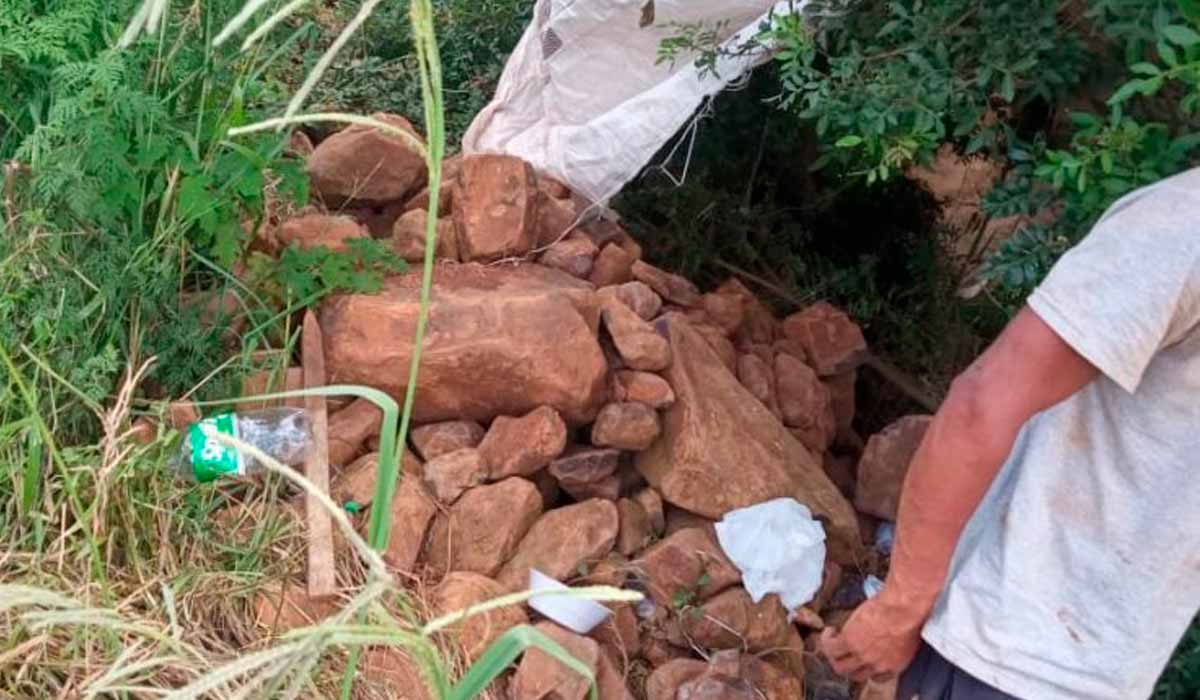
{"points": [[504, 651]]}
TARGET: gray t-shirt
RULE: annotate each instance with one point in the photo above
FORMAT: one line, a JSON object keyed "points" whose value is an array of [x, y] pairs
{"points": [[1080, 570]]}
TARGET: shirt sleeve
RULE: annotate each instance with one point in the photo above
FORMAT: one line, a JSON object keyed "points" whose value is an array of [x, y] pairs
{"points": [[1132, 286]]}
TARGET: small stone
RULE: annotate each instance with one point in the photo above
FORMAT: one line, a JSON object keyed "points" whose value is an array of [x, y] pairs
{"points": [[758, 323], [364, 164], [541, 677], [608, 488], [556, 220], [182, 414], [637, 342], [436, 439], [730, 620], [664, 682], [286, 609], [612, 266], [447, 242], [459, 591], [316, 230], [805, 403], [659, 651], [272, 381], [635, 530], [408, 235], [688, 566], [638, 296], [771, 681], [726, 311], [884, 465], [521, 446], [672, 288], [412, 511], [143, 430], [484, 527], [619, 633], [831, 580], [832, 342], [807, 617], [584, 465], [679, 519], [299, 144], [613, 570], [495, 212], [562, 540], [552, 186], [391, 673], [652, 503], [627, 426], [573, 255], [350, 427], [450, 474], [356, 481], [642, 387]]}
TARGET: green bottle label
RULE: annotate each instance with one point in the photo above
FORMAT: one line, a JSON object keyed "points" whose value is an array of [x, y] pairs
{"points": [[210, 458]]}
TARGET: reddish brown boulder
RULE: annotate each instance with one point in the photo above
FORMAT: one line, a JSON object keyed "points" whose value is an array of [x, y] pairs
{"points": [[636, 341], [562, 540], [280, 610], [484, 527], [612, 266], [541, 677], [884, 464], [389, 672], [730, 620], [832, 342], [608, 488], [459, 591], [722, 680], [758, 323], [664, 682], [584, 465], [770, 681], [314, 230], [450, 169], [637, 296], [605, 231], [719, 344], [618, 635], [652, 503], [672, 288], [613, 570], [626, 426], [573, 255], [556, 218], [726, 311], [842, 398], [364, 164], [495, 207], [349, 429], [450, 474], [521, 446], [687, 565], [635, 532], [759, 379], [447, 239], [501, 341], [642, 387], [408, 235], [436, 439], [553, 187], [273, 381], [715, 423], [804, 402], [412, 510], [356, 481]]}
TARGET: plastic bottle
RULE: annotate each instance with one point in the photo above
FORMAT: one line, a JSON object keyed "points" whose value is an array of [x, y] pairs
{"points": [[283, 433]]}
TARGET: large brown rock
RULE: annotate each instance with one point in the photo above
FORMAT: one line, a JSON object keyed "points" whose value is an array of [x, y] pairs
{"points": [[637, 296], [541, 677], [317, 230], [731, 620], [495, 207], [556, 218], [618, 635], [626, 426], [722, 680], [635, 532], [721, 449], [805, 403], [436, 439], [833, 343], [388, 672], [365, 164], [758, 324], [350, 427], [725, 310], [408, 235], [773, 682], [636, 341], [412, 510], [484, 527], [614, 265], [459, 591], [450, 474], [759, 379], [272, 381], [884, 465], [501, 341], [687, 566], [652, 503], [670, 287], [584, 465], [643, 387], [573, 255], [664, 682], [563, 539], [282, 609], [356, 481], [522, 446]]}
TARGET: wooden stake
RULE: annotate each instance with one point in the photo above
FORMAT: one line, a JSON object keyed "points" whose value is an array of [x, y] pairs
{"points": [[322, 576]]}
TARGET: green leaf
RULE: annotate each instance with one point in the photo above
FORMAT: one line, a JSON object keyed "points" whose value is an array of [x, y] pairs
{"points": [[1144, 68], [1181, 35], [1008, 87], [1168, 54], [1125, 92], [504, 651], [849, 141]]}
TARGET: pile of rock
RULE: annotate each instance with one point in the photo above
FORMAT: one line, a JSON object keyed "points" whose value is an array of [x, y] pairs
{"points": [[586, 414]]}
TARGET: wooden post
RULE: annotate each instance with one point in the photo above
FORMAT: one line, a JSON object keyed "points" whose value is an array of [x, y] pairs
{"points": [[322, 575]]}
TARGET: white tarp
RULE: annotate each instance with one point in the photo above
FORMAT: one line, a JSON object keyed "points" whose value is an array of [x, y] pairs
{"points": [[582, 98]]}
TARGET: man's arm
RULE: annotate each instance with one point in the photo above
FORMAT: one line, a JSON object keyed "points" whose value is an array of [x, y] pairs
{"points": [[1027, 370]]}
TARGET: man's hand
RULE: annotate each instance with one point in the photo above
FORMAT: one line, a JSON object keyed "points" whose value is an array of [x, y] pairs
{"points": [[877, 642]]}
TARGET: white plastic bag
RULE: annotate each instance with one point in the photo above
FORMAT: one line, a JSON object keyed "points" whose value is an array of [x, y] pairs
{"points": [[584, 98], [778, 547]]}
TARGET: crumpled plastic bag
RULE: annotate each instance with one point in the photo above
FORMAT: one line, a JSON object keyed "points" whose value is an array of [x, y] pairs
{"points": [[778, 547]]}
